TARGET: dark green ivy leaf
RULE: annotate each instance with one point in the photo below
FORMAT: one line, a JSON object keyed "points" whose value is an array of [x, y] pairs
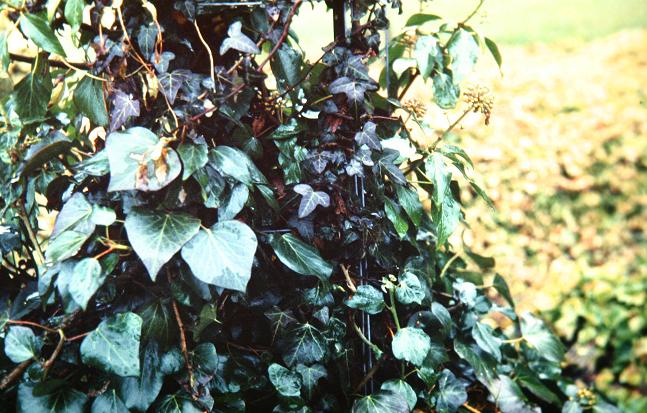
{"points": [[367, 298], [89, 99], [114, 346], [286, 382], [138, 393], [37, 29], [451, 393], [353, 89], [536, 333], [445, 91], [509, 397], [310, 376], [409, 289], [383, 401], [402, 388], [109, 402], [502, 287], [193, 156], [411, 344], [74, 14], [483, 336], [305, 345], [86, 280], [397, 218], [60, 399], [410, 202], [222, 255], [177, 403], [21, 344], [33, 92], [300, 257], [464, 51], [156, 235], [124, 106]]}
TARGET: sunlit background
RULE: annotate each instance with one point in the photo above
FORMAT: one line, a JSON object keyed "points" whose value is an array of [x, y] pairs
{"points": [[565, 161]]}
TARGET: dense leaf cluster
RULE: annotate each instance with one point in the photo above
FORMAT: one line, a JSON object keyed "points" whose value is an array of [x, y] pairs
{"points": [[236, 226]]}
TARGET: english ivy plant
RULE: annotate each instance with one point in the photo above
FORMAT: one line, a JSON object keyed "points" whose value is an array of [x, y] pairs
{"points": [[239, 229]]}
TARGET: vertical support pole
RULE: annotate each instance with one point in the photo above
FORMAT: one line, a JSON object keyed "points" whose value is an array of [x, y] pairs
{"points": [[342, 30]]}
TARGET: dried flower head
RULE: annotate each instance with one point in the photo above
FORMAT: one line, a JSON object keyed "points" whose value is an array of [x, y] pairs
{"points": [[415, 106], [481, 100]]}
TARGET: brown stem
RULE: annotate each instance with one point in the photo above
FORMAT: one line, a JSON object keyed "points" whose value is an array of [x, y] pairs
{"points": [[284, 35], [369, 375], [59, 347], [406, 88], [32, 324], [349, 280], [24, 217], [183, 345], [55, 63], [15, 373]]}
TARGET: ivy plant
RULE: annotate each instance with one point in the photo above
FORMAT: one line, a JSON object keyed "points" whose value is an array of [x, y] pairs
{"points": [[240, 228]]}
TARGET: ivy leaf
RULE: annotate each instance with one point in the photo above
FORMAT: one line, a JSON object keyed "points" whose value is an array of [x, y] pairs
{"points": [[420, 19], [138, 393], [310, 199], [383, 401], [234, 203], [402, 388], [146, 39], [139, 160], [446, 92], [73, 13], [177, 403], [286, 64], [238, 41], [428, 53], [193, 156], [411, 344], [368, 136], [123, 108], [232, 162], [48, 397], [88, 98], [222, 255], [410, 202], [310, 376], [87, 279], [21, 344], [409, 290], [508, 396], [386, 164], [572, 406], [158, 323], [103, 216], [171, 82], [451, 393], [353, 89], [33, 92], [464, 52], [368, 299], [446, 211], [494, 51], [300, 257], [394, 214], [74, 216], [108, 402], [484, 366], [156, 236], [502, 287], [37, 29], [483, 336], [65, 245], [286, 382], [530, 380], [305, 345], [536, 333], [114, 346]]}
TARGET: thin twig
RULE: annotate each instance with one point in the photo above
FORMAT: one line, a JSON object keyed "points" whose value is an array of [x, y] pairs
{"points": [[468, 18], [22, 214], [284, 35], [406, 88], [55, 63], [369, 375], [447, 264], [206, 46], [183, 345], [349, 280], [59, 347], [32, 324], [470, 408], [15, 373]]}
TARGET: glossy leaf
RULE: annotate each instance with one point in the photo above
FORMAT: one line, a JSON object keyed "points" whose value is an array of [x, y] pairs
{"points": [[139, 393], [139, 160], [483, 336], [21, 344], [87, 279], [108, 402], [286, 382], [310, 376], [300, 257], [124, 107], [73, 13], [536, 333], [58, 399], [37, 29], [238, 41], [451, 393], [89, 99], [410, 202], [409, 289], [156, 236], [305, 345], [114, 346], [402, 388], [310, 199], [411, 344], [384, 401], [464, 51], [222, 255], [367, 298], [193, 156], [33, 92]]}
